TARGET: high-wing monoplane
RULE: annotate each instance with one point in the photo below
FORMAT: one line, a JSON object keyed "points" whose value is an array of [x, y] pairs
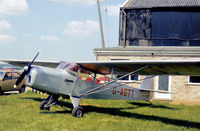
{"points": [[81, 79]]}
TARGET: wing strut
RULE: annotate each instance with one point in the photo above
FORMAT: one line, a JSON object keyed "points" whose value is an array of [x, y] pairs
{"points": [[79, 70], [108, 83]]}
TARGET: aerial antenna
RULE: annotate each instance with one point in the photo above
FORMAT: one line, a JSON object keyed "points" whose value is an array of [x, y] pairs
{"points": [[100, 25]]}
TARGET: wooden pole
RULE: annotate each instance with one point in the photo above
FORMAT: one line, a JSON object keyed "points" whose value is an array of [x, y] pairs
{"points": [[100, 25]]}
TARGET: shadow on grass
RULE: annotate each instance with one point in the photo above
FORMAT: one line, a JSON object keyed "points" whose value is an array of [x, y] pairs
{"points": [[119, 112], [57, 112], [33, 98], [142, 104], [60, 103]]}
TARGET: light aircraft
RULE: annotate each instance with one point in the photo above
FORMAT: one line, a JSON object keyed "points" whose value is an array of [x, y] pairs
{"points": [[80, 80]]}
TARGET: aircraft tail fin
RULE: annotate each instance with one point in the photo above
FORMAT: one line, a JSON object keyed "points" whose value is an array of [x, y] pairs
{"points": [[147, 85]]}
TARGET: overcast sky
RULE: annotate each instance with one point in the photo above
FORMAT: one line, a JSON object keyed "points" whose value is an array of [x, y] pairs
{"points": [[63, 29]]}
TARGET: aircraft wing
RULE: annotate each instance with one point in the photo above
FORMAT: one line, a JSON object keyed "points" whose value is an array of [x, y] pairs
{"points": [[23, 63], [155, 67]]}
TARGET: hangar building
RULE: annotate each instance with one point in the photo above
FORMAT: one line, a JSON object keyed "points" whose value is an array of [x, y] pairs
{"points": [[159, 29]]}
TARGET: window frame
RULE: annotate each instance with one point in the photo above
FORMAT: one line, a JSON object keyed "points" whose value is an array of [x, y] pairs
{"points": [[129, 79], [10, 77], [2, 74], [192, 83]]}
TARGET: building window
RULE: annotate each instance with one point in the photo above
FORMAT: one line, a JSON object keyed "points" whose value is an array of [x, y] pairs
{"points": [[129, 78], [194, 79]]}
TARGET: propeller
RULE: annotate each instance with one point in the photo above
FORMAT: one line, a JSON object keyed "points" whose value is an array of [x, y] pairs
{"points": [[26, 71]]}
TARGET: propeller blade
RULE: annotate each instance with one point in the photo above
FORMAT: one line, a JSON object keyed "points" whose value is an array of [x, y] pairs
{"points": [[19, 80], [34, 59], [26, 71]]}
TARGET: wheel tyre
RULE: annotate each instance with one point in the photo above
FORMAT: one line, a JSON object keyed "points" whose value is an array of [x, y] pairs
{"points": [[43, 105], [22, 90], [77, 112], [1, 92]]}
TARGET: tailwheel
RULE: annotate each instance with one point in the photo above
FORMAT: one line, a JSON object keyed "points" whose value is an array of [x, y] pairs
{"points": [[44, 106], [77, 112]]}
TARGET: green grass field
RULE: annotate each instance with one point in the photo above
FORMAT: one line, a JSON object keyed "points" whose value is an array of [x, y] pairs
{"points": [[21, 112]]}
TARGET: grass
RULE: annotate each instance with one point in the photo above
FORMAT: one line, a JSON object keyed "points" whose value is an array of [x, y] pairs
{"points": [[21, 112]]}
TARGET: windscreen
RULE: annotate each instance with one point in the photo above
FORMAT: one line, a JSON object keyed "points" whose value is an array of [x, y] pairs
{"points": [[1, 75], [84, 74], [71, 67]]}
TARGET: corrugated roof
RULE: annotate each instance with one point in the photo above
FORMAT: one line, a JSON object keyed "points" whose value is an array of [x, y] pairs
{"points": [[161, 3]]}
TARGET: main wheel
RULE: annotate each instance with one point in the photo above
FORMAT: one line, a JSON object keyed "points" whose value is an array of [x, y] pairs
{"points": [[77, 111], [1, 92], [22, 90], [43, 105]]}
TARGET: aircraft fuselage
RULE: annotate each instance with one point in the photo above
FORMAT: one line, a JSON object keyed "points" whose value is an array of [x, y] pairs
{"points": [[49, 80], [63, 83]]}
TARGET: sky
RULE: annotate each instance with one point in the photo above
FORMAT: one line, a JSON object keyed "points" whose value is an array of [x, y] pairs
{"points": [[66, 30]]}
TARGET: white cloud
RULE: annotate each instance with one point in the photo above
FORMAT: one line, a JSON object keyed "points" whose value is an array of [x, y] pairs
{"points": [[81, 28], [4, 25], [26, 35], [4, 38], [88, 2], [50, 38], [12, 7], [113, 10]]}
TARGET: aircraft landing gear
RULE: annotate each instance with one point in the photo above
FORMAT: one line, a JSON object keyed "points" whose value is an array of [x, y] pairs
{"points": [[52, 100], [77, 112], [46, 104], [43, 105]]}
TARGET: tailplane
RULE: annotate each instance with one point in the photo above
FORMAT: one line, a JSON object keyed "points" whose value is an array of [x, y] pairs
{"points": [[147, 85]]}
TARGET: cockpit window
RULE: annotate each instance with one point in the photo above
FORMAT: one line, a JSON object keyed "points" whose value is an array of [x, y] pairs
{"points": [[67, 66], [84, 74], [1, 75], [71, 68]]}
